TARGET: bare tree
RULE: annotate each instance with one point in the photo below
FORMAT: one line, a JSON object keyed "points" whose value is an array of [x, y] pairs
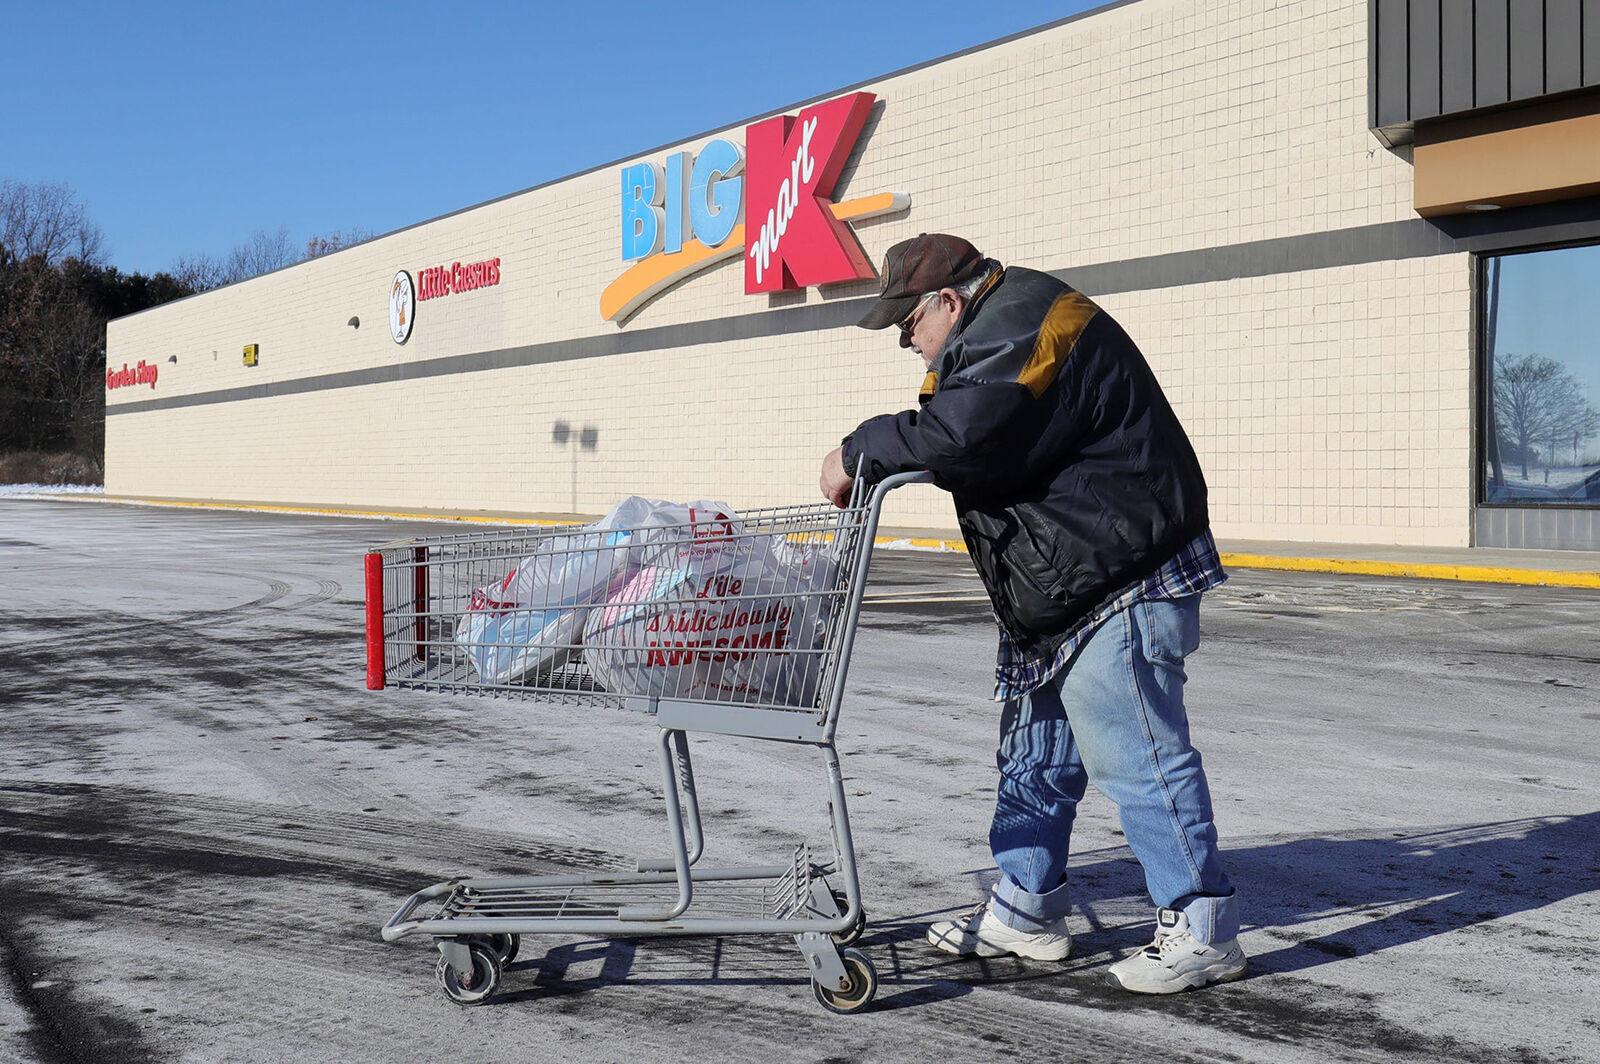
{"points": [[338, 240], [262, 253], [201, 273], [52, 352], [47, 220], [1537, 401], [55, 298], [1574, 421]]}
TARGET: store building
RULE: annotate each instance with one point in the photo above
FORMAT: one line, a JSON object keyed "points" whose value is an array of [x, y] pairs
{"points": [[1357, 242]]}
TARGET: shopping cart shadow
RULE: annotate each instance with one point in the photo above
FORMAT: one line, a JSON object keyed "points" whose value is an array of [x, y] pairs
{"points": [[1382, 891], [911, 972]]}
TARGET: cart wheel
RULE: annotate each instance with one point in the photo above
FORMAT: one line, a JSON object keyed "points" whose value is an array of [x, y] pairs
{"points": [[485, 976], [505, 946], [863, 985], [851, 935]]}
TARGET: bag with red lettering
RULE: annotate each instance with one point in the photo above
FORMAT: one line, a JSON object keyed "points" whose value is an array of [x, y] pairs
{"points": [[531, 621], [731, 619]]}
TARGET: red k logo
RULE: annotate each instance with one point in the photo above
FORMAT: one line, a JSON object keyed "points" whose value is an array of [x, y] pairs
{"points": [[792, 238]]}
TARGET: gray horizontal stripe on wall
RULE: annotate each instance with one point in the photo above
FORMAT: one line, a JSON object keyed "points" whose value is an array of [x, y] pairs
{"points": [[1261, 258], [1545, 224], [1555, 223], [665, 337]]}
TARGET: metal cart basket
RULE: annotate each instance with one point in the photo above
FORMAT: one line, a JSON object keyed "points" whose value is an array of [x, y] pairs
{"points": [[737, 625]]}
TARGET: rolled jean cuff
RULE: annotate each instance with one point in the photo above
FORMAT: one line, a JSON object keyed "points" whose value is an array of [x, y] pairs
{"points": [[1021, 910], [1212, 919]]}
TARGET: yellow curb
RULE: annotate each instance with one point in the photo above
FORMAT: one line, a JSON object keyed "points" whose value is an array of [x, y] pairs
{"points": [[1478, 574], [952, 546]]}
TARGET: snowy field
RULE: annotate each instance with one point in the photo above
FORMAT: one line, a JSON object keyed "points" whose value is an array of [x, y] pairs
{"points": [[34, 490], [1563, 481]]}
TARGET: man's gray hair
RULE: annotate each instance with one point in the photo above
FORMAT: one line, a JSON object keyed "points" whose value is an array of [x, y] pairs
{"points": [[969, 288]]}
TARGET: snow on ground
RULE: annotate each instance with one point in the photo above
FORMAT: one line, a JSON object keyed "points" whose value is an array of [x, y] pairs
{"points": [[205, 818], [25, 491], [1557, 479]]}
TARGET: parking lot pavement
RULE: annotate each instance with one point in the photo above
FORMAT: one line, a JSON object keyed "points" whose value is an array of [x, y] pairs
{"points": [[204, 818]]}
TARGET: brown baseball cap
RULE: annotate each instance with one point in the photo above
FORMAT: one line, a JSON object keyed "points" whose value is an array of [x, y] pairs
{"points": [[915, 267]]}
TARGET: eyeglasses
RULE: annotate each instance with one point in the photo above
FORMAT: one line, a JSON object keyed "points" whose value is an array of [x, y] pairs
{"points": [[909, 322]]}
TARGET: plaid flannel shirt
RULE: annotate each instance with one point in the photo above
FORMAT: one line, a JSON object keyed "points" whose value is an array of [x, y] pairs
{"points": [[1195, 568]]}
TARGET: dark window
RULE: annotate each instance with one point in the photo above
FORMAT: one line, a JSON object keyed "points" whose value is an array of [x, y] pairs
{"points": [[1541, 374]]}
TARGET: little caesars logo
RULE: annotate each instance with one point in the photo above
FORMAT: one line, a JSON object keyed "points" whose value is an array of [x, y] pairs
{"points": [[402, 307], [436, 281]]}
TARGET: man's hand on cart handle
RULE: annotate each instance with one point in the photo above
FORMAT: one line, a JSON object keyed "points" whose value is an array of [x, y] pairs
{"points": [[835, 482]]}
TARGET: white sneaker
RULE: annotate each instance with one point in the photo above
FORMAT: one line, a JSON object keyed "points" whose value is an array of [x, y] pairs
{"points": [[1176, 960], [978, 931]]}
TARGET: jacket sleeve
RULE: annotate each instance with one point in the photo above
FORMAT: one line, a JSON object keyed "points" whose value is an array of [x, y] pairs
{"points": [[974, 440]]}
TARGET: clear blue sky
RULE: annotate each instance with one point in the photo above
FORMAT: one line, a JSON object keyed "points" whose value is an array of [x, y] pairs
{"points": [[1547, 306], [185, 126]]}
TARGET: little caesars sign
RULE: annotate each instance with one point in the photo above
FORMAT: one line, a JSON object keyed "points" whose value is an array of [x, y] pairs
{"points": [[772, 200]]}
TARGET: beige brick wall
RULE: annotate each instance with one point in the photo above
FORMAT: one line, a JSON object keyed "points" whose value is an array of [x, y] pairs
{"points": [[1326, 405]]}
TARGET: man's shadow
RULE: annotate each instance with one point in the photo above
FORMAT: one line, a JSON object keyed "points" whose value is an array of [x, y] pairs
{"points": [[1391, 889]]}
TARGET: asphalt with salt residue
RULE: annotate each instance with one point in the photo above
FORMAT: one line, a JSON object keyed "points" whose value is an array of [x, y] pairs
{"points": [[204, 818]]}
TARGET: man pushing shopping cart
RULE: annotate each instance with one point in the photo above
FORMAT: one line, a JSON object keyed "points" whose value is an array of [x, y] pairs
{"points": [[1084, 510]]}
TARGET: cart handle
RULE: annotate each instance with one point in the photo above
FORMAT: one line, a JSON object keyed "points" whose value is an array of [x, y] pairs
{"points": [[852, 608], [898, 480]]}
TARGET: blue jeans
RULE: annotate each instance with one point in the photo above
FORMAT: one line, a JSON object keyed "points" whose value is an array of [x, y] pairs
{"points": [[1114, 715]]}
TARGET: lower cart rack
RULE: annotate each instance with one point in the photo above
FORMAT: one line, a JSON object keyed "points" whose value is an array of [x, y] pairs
{"points": [[528, 906]]}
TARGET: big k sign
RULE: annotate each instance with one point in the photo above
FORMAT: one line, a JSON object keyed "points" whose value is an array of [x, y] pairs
{"points": [[772, 200]]}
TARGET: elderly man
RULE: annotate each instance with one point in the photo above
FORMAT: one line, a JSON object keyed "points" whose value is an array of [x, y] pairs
{"points": [[1084, 510]]}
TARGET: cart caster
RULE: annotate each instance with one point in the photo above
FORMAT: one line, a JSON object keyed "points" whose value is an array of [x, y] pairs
{"points": [[863, 985], [852, 934], [505, 947], [485, 976]]}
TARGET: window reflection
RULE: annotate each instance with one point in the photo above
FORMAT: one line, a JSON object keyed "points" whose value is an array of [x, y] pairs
{"points": [[1541, 409]]}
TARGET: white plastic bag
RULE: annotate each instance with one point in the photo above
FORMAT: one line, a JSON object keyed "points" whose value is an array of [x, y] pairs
{"points": [[531, 621], [721, 619]]}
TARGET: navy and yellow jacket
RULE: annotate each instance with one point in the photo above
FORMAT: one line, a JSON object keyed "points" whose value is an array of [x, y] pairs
{"points": [[1071, 475]]}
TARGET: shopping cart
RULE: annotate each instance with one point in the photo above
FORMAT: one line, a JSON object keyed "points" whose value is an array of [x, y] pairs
{"points": [[737, 625]]}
